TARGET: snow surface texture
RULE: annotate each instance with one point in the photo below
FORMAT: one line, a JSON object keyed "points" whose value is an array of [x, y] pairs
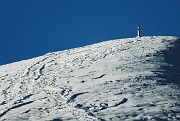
{"points": [[126, 79]]}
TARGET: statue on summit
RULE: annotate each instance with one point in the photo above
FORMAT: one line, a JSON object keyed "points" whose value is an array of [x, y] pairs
{"points": [[138, 31]]}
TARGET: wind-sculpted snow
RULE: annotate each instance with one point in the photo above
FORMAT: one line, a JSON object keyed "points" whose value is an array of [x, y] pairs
{"points": [[126, 79]]}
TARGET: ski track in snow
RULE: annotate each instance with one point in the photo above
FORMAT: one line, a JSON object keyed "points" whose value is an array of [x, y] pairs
{"points": [[126, 79]]}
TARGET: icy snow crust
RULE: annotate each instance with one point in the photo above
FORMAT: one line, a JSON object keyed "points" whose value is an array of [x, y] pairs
{"points": [[125, 79]]}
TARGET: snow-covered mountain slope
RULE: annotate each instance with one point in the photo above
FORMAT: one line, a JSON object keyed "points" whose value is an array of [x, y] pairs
{"points": [[118, 80]]}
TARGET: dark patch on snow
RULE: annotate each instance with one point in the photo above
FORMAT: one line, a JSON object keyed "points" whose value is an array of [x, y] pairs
{"points": [[100, 119], [27, 111], [83, 81], [3, 103], [118, 80], [78, 106], [91, 114], [172, 57], [71, 99], [99, 76], [41, 69], [118, 93], [57, 119], [65, 92], [103, 106], [27, 96], [121, 102]]}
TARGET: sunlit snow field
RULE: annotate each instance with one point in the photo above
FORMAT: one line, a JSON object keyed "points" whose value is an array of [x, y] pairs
{"points": [[124, 79]]}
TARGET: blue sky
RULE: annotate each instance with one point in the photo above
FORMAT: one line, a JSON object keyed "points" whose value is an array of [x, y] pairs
{"points": [[30, 28]]}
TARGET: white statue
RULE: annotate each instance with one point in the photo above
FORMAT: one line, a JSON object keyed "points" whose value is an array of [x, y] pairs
{"points": [[138, 31]]}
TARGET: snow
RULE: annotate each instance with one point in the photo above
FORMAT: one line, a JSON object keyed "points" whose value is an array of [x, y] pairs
{"points": [[123, 79]]}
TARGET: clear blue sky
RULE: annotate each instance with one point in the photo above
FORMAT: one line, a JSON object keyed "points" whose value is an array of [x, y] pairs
{"points": [[30, 28]]}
